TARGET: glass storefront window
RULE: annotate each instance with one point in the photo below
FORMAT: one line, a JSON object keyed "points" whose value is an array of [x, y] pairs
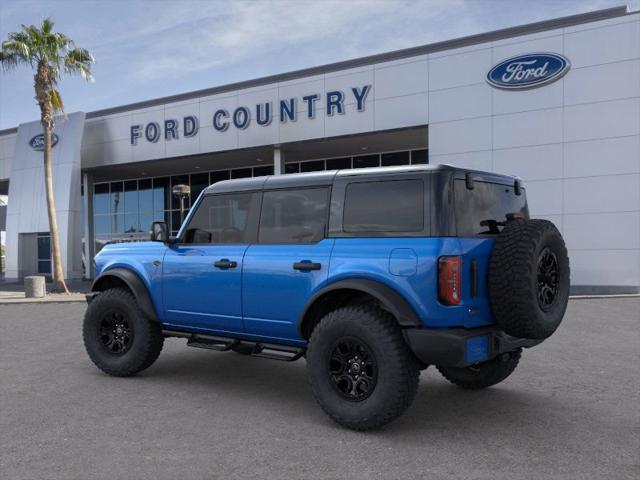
{"points": [[175, 221], [241, 173], [338, 163], [161, 194], [131, 223], [291, 167], [116, 199], [262, 171], [395, 158], [102, 224], [218, 176], [199, 181], [366, 161], [419, 157], [312, 166], [44, 253], [117, 223], [101, 198], [146, 219], [145, 195], [131, 203]]}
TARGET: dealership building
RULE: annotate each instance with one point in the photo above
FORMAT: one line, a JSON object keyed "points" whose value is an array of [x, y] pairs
{"points": [[555, 102]]}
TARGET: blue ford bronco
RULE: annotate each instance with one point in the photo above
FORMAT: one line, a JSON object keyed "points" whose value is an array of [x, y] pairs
{"points": [[369, 274]]}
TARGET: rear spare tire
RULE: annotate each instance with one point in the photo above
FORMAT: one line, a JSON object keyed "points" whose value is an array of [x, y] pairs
{"points": [[529, 278]]}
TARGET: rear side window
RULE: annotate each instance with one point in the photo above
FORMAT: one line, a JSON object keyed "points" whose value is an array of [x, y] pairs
{"points": [[384, 206], [224, 219], [294, 216], [481, 211]]}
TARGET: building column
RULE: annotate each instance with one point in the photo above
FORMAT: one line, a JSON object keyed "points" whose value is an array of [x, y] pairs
{"points": [[89, 240], [278, 161]]}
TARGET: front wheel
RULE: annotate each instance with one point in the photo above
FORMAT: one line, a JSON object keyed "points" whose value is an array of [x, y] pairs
{"points": [[484, 374], [119, 338], [360, 369]]}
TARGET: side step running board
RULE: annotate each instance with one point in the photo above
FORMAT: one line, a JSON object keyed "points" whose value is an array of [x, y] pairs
{"points": [[272, 351]]}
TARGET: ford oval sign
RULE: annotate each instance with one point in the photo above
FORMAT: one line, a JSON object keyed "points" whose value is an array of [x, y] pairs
{"points": [[37, 142], [528, 71]]}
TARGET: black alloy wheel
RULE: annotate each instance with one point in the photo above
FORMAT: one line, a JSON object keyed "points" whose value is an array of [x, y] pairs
{"points": [[116, 332], [353, 369], [547, 279]]}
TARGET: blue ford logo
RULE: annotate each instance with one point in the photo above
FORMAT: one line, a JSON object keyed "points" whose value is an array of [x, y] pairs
{"points": [[528, 71], [37, 142]]}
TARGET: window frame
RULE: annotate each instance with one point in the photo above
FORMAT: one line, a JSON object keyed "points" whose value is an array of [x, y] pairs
{"points": [[325, 232], [252, 219]]}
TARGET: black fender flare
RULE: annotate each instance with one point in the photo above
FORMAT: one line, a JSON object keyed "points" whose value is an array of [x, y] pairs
{"points": [[387, 296], [135, 284]]}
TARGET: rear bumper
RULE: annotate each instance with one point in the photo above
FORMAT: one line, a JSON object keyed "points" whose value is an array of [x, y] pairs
{"points": [[459, 347]]}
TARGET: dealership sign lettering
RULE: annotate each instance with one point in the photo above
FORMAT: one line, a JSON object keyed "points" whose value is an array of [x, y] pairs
{"points": [[287, 110], [37, 142], [528, 71]]}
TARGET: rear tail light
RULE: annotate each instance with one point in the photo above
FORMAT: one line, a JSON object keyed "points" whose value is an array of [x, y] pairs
{"points": [[449, 280]]}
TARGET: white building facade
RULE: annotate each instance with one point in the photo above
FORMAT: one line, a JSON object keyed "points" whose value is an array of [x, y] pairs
{"points": [[572, 133]]}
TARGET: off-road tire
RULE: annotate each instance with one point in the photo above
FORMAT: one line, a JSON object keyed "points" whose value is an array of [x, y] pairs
{"points": [[146, 343], [514, 278], [484, 374], [397, 370]]}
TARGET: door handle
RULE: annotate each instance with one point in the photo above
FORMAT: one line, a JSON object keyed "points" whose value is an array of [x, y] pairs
{"points": [[306, 265], [225, 263]]}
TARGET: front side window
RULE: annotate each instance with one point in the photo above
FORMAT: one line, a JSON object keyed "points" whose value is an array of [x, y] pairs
{"points": [[223, 219], [294, 216], [384, 207]]}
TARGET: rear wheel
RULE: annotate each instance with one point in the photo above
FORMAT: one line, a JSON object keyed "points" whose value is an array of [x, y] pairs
{"points": [[484, 374], [118, 337], [360, 369]]}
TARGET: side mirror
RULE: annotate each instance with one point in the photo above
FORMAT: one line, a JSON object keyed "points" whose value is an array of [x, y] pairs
{"points": [[159, 232]]}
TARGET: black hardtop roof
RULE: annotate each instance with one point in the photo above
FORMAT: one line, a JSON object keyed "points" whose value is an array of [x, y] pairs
{"points": [[325, 178]]}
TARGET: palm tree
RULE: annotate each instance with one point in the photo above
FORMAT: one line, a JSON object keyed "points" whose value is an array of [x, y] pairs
{"points": [[49, 54]]}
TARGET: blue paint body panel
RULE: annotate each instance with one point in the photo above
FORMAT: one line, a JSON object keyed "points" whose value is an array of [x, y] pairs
{"points": [[198, 294], [273, 293], [264, 296]]}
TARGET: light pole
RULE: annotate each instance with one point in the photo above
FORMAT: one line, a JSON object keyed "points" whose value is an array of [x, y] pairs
{"points": [[182, 192]]}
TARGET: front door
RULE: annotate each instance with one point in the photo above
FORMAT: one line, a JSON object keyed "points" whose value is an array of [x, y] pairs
{"points": [[202, 272], [290, 260]]}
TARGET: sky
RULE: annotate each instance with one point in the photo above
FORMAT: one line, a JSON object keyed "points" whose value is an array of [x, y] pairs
{"points": [[150, 49]]}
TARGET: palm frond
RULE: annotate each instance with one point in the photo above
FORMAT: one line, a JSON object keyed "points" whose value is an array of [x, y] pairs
{"points": [[56, 101], [47, 26], [9, 61], [79, 61]]}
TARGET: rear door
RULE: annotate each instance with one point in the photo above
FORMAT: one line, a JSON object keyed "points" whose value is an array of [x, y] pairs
{"points": [[289, 261], [202, 273]]}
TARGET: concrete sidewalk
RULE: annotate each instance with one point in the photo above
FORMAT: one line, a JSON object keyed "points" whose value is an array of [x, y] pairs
{"points": [[11, 293]]}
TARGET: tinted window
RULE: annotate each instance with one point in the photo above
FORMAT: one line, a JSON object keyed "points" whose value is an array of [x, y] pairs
{"points": [[366, 161], [338, 163], [487, 203], [419, 156], [294, 216], [389, 206], [395, 158], [313, 166], [223, 219]]}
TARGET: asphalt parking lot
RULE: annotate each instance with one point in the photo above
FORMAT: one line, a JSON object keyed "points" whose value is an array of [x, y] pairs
{"points": [[571, 410]]}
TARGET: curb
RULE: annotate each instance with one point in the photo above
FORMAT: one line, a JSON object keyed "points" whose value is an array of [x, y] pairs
{"points": [[22, 301]]}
